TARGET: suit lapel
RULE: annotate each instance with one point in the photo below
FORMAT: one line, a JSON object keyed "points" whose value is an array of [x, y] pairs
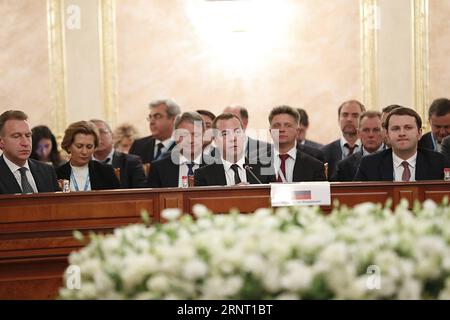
{"points": [[422, 173], [38, 177], [92, 175], [8, 178], [387, 167]]}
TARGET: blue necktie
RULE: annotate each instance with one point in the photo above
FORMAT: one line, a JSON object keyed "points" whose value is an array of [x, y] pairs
{"points": [[190, 166]]}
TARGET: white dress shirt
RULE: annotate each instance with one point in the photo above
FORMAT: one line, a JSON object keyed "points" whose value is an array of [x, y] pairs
{"points": [[81, 176], [398, 167], [15, 171], [109, 157], [229, 173], [289, 166], [167, 143], [183, 168], [345, 150]]}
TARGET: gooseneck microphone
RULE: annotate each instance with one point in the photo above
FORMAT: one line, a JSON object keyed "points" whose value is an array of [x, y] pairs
{"points": [[249, 169]]}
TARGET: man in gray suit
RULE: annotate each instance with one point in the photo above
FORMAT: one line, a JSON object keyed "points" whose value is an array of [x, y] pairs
{"points": [[348, 113], [18, 173]]}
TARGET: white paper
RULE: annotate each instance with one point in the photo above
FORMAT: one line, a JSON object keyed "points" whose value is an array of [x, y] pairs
{"points": [[300, 194]]}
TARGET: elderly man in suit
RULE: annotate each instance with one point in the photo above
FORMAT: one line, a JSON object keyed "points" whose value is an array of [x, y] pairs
{"points": [[131, 170], [19, 173], [349, 143], [371, 133], [232, 166], [289, 163], [439, 118], [161, 119], [185, 158], [404, 161]]}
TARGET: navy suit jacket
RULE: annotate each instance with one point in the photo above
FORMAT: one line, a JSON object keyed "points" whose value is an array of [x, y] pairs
{"points": [[101, 175], [379, 166], [333, 154], [347, 168], [164, 173], [43, 174], [446, 147], [131, 170], [214, 175], [426, 142], [145, 148]]}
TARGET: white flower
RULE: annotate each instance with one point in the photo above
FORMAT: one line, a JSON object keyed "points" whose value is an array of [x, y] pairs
{"points": [[200, 211], [410, 290], [171, 214], [195, 269], [137, 267], [158, 283], [297, 276]]}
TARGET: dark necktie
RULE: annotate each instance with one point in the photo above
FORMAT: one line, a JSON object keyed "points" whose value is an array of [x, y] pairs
{"points": [[106, 161], [406, 173], [350, 149], [26, 186], [190, 168], [235, 168], [158, 151], [283, 158]]}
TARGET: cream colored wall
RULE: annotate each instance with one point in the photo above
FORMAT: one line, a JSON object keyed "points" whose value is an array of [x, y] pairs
{"points": [[439, 55], [24, 75], [307, 56]]}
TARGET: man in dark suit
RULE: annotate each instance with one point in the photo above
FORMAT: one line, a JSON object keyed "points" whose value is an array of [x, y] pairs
{"points": [[231, 166], [18, 173], [161, 119], [349, 143], [256, 150], [404, 161], [439, 119], [303, 128], [130, 166], [371, 133], [185, 158], [290, 164]]}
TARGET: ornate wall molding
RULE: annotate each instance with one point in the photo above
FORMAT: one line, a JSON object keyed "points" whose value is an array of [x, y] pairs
{"points": [[369, 26], [420, 61], [57, 65], [108, 59]]}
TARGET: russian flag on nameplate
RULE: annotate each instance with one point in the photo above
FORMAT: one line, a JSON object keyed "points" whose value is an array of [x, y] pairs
{"points": [[300, 193]]}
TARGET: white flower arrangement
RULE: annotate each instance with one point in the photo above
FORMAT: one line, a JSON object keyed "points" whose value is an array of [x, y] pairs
{"points": [[368, 252]]}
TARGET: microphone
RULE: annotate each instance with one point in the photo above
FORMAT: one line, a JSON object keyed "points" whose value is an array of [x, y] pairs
{"points": [[249, 169]]}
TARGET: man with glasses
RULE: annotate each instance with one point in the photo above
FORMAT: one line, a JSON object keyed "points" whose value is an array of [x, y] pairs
{"points": [[232, 167], [371, 134], [439, 118], [161, 120], [131, 170]]}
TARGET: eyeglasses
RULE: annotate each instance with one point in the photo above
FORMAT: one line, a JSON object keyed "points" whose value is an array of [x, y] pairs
{"points": [[157, 116]]}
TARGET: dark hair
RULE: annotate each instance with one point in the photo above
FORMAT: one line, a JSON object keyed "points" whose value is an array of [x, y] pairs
{"points": [[361, 106], [11, 115], [226, 116], [439, 107], [43, 132], [284, 110], [390, 108], [404, 112], [304, 119], [83, 127], [243, 112], [207, 113]]}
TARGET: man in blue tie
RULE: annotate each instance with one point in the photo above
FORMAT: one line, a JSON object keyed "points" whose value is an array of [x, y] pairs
{"points": [[18, 173], [185, 157]]}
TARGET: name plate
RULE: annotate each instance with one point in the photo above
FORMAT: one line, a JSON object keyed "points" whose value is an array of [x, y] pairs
{"points": [[300, 194]]}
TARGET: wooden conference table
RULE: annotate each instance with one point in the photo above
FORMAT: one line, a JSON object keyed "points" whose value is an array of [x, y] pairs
{"points": [[36, 231]]}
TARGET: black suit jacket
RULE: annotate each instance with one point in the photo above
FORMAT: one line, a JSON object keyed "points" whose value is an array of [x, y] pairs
{"points": [[101, 175], [313, 144], [379, 166], [426, 142], [214, 175], [446, 147], [307, 168], [313, 152], [347, 168], [164, 173], [43, 174], [131, 171], [145, 148], [333, 154]]}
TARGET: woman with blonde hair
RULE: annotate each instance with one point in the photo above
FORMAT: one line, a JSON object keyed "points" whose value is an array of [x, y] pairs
{"points": [[124, 136], [80, 140]]}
